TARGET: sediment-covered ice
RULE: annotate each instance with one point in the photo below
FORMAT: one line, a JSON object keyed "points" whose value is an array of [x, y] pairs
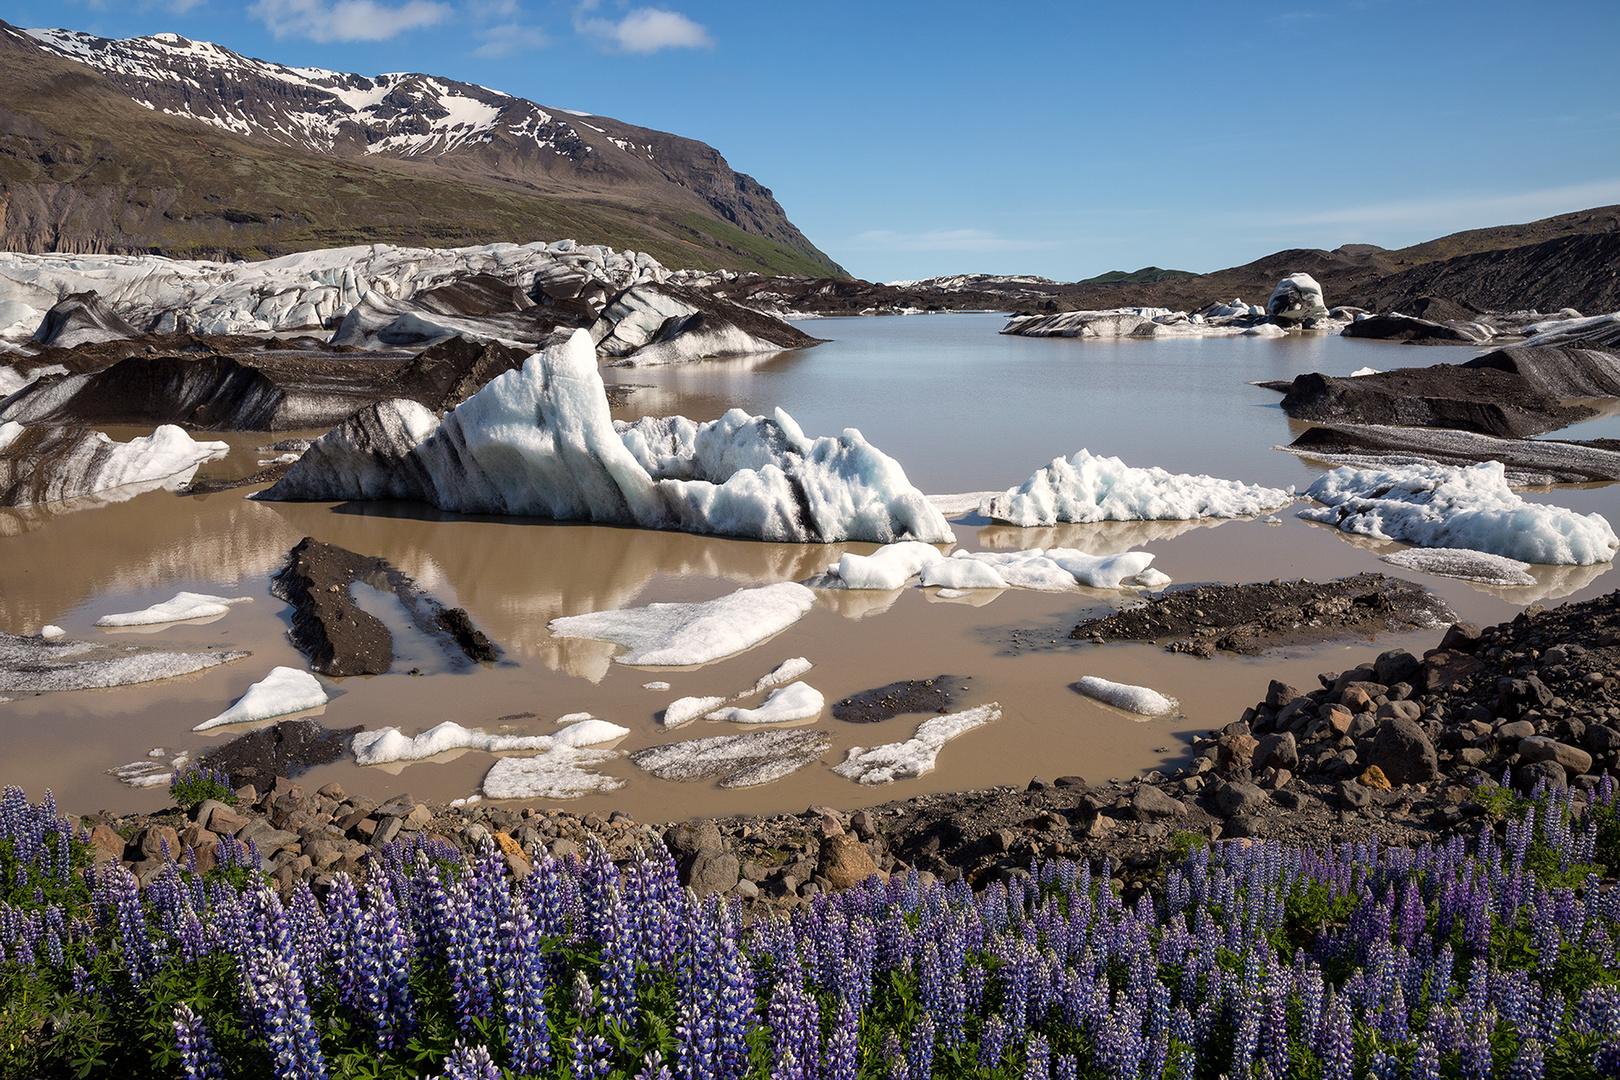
{"points": [[786, 705], [1470, 507], [681, 635], [285, 690], [184, 606], [562, 772], [35, 665], [1087, 488], [684, 710], [918, 754], [1480, 566], [540, 441], [388, 745], [46, 465], [738, 760], [1137, 699]]}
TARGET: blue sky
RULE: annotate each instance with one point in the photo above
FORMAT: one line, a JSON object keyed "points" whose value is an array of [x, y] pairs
{"points": [[913, 139]]}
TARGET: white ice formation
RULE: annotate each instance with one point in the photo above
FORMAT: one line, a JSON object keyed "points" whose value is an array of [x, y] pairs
{"points": [[50, 632], [1088, 488], [48, 465], [387, 745], [284, 691], [562, 772], [184, 606], [786, 705], [1296, 298], [1480, 566], [1137, 699], [738, 760], [1472, 507], [781, 675], [35, 665], [540, 441], [1054, 570], [647, 327], [889, 567], [683, 635], [684, 710], [918, 754]]}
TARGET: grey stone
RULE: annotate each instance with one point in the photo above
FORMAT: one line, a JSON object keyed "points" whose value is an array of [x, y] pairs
{"points": [[712, 872], [691, 838], [1278, 751], [1404, 753], [1279, 694], [1236, 797], [266, 838], [1540, 748], [1400, 710], [1396, 665], [388, 829], [1151, 804], [1527, 776], [745, 889]]}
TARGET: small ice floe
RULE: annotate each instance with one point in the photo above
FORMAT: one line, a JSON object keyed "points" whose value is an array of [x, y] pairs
{"points": [[34, 665], [738, 760], [889, 567], [1087, 488], [279, 459], [1359, 372], [51, 633], [143, 774], [917, 755], [285, 690], [1265, 330], [786, 705], [387, 745], [781, 675], [682, 635], [960, 573], [1137, 699], [960, 505], [1271, 520], [684, 710], [185, 606], [562, 772], [1054, 570], [655, 685], [1480, 566], [1442, 506], [470, 800]]}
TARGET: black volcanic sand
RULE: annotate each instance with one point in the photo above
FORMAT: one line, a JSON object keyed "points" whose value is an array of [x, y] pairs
{"points": [[1250, 619], [897, 698]]}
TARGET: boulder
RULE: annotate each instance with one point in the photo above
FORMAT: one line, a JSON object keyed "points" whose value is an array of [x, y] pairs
{"points": [[1461, 637], [844, 861], [1235, 752], [1404, 753], [1151, 804], [1279, 751], [1374, 778], [1236, 797], [1540, 748], [1400, 710], [711, 872], [1396, 665], [1527, 776]]}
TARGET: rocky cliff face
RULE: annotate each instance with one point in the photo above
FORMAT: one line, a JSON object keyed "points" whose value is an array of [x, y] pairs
{"points": [[77, 182]]}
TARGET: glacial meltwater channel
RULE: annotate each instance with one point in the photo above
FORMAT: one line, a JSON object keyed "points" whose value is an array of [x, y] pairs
{"points": [[961, 407]]}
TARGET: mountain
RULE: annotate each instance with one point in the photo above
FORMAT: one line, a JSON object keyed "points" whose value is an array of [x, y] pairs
{"points": [[1143, 276], [161, 144]]}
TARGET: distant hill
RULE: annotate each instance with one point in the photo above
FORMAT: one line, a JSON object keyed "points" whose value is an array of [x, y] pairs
{"points": [[165, 145], [1144, 276]]}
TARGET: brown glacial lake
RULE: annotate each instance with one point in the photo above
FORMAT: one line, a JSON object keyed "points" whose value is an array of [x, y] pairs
{"points": [[959, 406]]}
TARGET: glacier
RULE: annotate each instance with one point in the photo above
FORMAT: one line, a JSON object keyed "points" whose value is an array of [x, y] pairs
{"points": [[1471, 507], [1137, 699], [683, 635], [1088, 488], [540, 441], [285, 690], [916, 755]]}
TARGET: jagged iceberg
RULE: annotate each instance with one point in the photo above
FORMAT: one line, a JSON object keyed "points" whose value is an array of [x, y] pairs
{"points": [[1472, 507], [917, 755], [682, 635], [540, 441], [1137, 699], [1087, 488], [285, 690], [387, 745], [184, 607], [53, 464]]}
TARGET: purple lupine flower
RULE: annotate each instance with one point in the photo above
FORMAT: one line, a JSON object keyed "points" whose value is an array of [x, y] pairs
{"points": [[920, 1049], [1606, 1062], [1529, 1063], [1066, 1067], [843, 1046], [521, 969], [894, 1057], [1337, 1049], [1425, 1062], [618, 977], [198, 1059], [1474, 1058], [470, 1063], [1037, 1058], [992, 1042], [653, 1068], [795, 1027]]}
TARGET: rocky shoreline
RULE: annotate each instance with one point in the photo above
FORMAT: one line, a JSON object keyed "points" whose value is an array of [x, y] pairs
{"points": [[1408, 749]]}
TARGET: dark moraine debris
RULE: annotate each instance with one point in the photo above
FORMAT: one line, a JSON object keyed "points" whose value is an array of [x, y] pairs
{"points": [[444, 375], [1250, 619], [284, 749], [341, 639], [1528, 462], [1398, 327], [908, 696], [1482, 399]]}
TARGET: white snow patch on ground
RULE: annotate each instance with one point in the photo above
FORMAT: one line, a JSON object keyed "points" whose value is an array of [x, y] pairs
{"points": [[562, 772], [285, 690], [387, 745], [684, 710], [738, 760], [1359, 372], [1137, 699], [1460, 563], [918, 754], [184, 606], [786, 705], [1087, 488], [1440, 506], [681, 635]]}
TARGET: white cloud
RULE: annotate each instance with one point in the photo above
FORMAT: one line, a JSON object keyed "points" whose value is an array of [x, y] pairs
{"points": [[510, 38], [644, 30], [346, 20], [942, 240]]}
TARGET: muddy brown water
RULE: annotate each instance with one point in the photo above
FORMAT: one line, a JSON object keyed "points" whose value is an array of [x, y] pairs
{"points": [[1187, 409]]}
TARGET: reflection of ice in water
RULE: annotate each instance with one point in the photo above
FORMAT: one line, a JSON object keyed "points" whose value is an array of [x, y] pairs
{"points": [[1099, 538], [855, 604]]}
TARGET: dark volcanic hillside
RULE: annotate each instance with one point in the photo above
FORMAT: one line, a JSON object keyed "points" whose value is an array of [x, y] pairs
{"points": [[168, 145]]}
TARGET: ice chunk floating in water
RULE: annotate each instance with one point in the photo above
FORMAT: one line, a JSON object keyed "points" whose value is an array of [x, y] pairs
{"points": [[540, 441], [684, 710], [562, 772], [387, 745], [797, 701], [285, 690], [739, 760], [1137, 699], [917, 755], [1087, 488], [1463, 564], [680, 635], [33, 665], [1059, 569], [1439, 506], [186, 605]]}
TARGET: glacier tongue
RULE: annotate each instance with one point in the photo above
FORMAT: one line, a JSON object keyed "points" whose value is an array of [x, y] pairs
{"points": [[1438, 506], [540, 441]]}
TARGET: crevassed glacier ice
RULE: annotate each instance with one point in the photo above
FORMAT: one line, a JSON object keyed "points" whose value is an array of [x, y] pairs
{"points": [[681, 635], [738, 760], [562, 772], [46, 465], [185, 605], [285, 690], [786, 705], [918, 754], [1088, 488], [1142, 700], [388, 745], [540, 441], [1439, 506]]}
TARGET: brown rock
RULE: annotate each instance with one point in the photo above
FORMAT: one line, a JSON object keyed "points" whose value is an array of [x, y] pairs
{"points": [[156, 838], [107, 839], [226, 822], [508, 845], [1355, 699], [1235, 752], [1443, 669], [1374, 778], [1400, 710], [844, 861], [1338, 719], [1540, 748]]}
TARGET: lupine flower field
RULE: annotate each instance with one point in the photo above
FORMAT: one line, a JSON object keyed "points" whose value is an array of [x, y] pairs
{"points": [[1491, 956]]}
